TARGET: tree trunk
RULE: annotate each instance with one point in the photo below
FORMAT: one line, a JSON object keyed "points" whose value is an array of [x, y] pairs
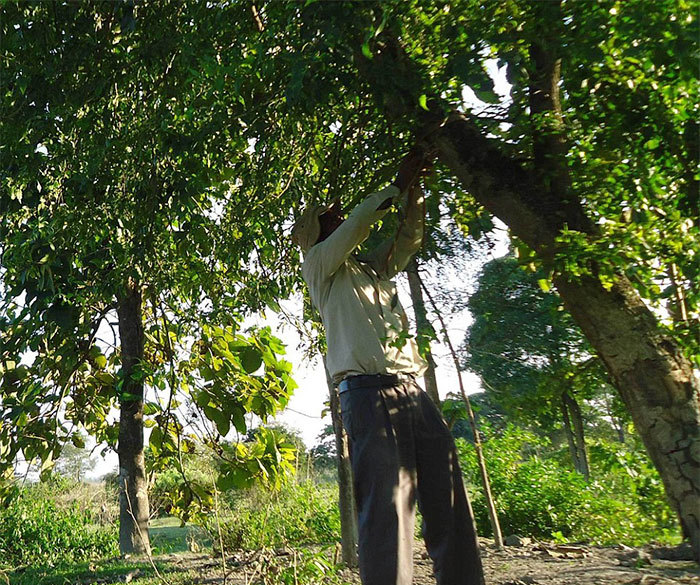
{"points": [[423, 326], [577, 419], [569, 433], [620, 431], [133, 482], [654, 378], [617, 424], [574, 433], [346, 498], [655, 381]]}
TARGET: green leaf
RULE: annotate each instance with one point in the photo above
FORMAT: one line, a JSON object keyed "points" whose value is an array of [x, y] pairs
{"points": [[219, 418], [151, 408], [251, 359], [235, 478], [201, 398], [78, 441], [239, 420], [423, 102], [366, 51], [156, 439]]}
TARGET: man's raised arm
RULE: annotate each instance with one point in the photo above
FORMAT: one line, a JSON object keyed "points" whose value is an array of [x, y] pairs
{"points": [[323, 259], [392, 255]]}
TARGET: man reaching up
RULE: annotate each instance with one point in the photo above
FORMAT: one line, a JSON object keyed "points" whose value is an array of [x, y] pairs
{"points": [[400, 447]]}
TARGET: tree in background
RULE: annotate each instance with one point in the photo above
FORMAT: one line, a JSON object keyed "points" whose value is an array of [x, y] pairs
{"points": [[532, 358], [75, 460]]}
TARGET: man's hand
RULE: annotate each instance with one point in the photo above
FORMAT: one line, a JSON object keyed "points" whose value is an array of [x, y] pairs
{"points": [[415, 164]]}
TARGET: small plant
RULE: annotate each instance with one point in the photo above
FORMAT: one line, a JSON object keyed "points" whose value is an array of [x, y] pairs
{"points": [[35, 529], [295, 567], [298, 514], [310, 567]]}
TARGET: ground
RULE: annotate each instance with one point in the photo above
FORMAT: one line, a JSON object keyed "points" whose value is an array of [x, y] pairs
{"points": [[528, 564]]}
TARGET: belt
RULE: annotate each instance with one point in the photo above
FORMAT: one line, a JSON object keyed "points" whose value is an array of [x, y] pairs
{"points": [[371, 381]]}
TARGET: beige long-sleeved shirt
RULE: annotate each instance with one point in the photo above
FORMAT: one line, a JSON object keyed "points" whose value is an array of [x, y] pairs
{"points": [[366, 326]]}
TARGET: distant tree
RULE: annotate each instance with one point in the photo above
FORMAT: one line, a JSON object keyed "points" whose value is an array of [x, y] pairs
{"points": [[486, 410], [532, 358], [75, 460], [324, 451]]}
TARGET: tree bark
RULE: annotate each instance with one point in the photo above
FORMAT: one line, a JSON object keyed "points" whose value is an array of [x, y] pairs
{"points": [[423, 325], [573, 427], [655, 380], [346, 497], [133, 482]]}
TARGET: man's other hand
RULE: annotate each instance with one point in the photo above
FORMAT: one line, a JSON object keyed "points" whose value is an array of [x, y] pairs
{"points": [[414, 165]]}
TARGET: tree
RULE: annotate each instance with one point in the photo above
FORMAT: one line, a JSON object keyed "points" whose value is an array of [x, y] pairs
{"points": [[562, 173], [533, 359], [591, 162], [346, 496], [75, 461], [116, 175]]}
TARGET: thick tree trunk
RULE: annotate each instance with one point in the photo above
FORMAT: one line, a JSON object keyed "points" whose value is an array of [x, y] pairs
{"points": [[133, 482], [655, 380], [573, 427], [346, 498], [423, 325]]}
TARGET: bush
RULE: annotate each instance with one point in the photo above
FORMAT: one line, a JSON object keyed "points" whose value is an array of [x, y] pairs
{"points": [[538, 495], [35, 529], [299, 514]]}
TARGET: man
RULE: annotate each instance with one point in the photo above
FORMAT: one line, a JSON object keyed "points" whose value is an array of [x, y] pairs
{"points": [[400, 447]]}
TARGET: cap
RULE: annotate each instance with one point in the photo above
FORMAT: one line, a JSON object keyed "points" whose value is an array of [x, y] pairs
{"points": [[307, 228]]}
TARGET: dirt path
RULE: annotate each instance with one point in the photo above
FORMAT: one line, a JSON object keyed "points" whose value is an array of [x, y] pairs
{"points": [[530, 564]]}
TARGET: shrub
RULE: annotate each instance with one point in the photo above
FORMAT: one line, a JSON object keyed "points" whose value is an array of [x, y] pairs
{"points": [[35, 529], [309, 567], [298, 514], [538, 495]]}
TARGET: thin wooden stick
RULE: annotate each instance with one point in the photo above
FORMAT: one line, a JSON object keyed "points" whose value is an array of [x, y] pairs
{"points": [[490, 503]]}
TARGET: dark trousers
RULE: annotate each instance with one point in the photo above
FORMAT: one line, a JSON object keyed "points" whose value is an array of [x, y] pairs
{"points": [[402, 452]]}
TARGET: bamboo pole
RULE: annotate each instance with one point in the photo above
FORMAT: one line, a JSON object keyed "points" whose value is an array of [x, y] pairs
{"points": [[490, 503]]}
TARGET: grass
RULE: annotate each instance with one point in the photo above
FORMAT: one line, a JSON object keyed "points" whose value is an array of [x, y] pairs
{"points": [[168, 536], [102, 572]]}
